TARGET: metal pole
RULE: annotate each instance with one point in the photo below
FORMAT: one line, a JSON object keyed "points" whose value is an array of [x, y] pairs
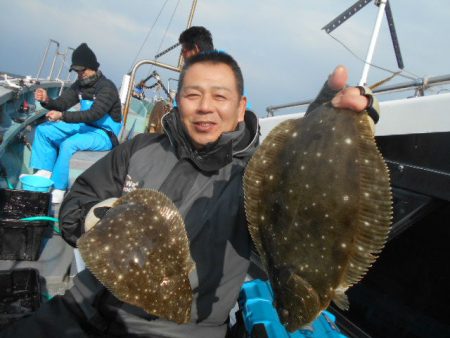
{"points": [[130, 87], [54, 59], [189, 23], [373, 42], [63, 61], [422, 83], [44, 58]]}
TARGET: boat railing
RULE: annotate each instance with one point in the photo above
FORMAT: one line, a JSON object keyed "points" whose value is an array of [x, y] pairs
{"points": [[131, 80], [419, 85], [58, 54]]}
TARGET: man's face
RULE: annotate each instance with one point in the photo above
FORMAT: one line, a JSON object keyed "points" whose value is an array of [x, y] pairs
{"points": [[189, 52], [209, 102], [85, 73]]}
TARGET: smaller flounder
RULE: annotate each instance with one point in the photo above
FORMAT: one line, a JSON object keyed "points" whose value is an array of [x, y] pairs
{"points": [[140, 252], [319, 206]]}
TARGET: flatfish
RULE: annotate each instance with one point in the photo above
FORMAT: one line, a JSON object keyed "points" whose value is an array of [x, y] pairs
{"points": [[140, 252], [319, 207]]}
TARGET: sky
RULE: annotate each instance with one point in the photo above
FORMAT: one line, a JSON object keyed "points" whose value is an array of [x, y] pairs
{"points": [[284, 54]]}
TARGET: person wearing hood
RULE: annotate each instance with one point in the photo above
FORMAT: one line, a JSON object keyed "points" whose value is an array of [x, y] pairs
{"points": [[94, 126], [198, 163]]}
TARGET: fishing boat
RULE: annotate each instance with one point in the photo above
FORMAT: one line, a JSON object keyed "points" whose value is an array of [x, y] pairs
{"points": [[403, 295]]}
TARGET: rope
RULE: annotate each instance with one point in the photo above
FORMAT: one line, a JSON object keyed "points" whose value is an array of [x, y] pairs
{"points": [[148, 34], [168, 25], [165, 32], [379, 83], [399, 73]]}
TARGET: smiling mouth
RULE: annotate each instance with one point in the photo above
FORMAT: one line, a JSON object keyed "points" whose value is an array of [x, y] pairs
{"points": [[204, 126]]}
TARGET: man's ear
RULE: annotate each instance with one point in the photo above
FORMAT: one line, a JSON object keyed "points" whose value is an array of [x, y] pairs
{"points": [[242, 108]]}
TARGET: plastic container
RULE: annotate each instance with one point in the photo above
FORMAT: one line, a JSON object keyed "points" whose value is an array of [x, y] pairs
{"points": [[20, 294], [261, 318], [21, 240], [36, 183]]}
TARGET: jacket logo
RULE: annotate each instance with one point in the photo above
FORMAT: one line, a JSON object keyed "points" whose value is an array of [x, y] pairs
{"points": [[130, 185]]}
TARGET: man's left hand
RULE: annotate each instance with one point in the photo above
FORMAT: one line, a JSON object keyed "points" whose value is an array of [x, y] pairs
{"points": [[350, 98], [54, 115], [353, 98]]}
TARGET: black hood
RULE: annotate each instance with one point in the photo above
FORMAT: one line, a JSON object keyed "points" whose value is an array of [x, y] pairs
{"points": [[240, 143]]}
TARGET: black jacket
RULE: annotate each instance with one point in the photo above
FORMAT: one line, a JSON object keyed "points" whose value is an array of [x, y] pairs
{"points": [[106, 101], [206, 187]]}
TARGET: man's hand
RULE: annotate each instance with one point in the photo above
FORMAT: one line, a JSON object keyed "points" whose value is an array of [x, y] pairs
{"points": [[350, 98], [354, 98], [97, 212], [41, 95], [338, 79], [54, 115]]}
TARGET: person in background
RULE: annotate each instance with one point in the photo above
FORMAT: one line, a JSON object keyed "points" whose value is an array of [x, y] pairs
{"points": [[195, 40], [94, 126]]}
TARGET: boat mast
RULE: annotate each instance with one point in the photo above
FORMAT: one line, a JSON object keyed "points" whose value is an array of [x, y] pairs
{"points": [[373, 42], [383, 7]]}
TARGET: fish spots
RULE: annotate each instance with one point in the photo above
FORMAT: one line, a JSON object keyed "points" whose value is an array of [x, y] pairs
{"points": [[316, 200], [155, 248]]}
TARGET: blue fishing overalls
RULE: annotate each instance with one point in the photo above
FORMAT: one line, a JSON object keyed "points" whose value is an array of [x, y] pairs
{"points": [[55, 143]]}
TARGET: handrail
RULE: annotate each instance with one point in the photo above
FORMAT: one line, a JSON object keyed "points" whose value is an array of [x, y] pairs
{"points": [[44, 58], [130, 86], [64, 55], [420, 84]]}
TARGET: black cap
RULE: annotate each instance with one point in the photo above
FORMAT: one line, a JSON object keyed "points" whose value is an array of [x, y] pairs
{"points": [[83, 57]]}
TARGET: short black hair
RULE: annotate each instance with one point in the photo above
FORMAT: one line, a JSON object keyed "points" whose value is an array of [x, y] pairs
{"points": [[214, 57], [197, 36]]}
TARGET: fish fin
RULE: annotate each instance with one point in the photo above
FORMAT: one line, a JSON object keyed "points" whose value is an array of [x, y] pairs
{"points": [[255, 176], [375, 210], [341, 300]]}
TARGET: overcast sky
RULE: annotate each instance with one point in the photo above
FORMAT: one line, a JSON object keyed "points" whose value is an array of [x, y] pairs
{"points": [[284, 54]]}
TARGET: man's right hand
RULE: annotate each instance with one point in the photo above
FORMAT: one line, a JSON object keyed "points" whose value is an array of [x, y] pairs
{"points": [[97, 212], [41, 95]]}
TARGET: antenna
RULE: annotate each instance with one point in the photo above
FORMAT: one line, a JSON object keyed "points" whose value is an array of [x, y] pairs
{"points": [[383, 7]]}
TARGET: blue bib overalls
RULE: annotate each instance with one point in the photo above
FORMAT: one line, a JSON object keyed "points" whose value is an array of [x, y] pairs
{"points": [[55, 143]]}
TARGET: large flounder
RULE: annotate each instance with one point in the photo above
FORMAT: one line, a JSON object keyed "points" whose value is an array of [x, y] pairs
{"points": [[319, 206], [140, 252]]}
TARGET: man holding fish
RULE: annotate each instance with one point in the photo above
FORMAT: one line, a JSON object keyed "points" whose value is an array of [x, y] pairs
{"points": [[199, 165]]}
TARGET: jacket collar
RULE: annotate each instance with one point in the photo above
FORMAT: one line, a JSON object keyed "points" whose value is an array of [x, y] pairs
{"points": [[240, 143]]}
